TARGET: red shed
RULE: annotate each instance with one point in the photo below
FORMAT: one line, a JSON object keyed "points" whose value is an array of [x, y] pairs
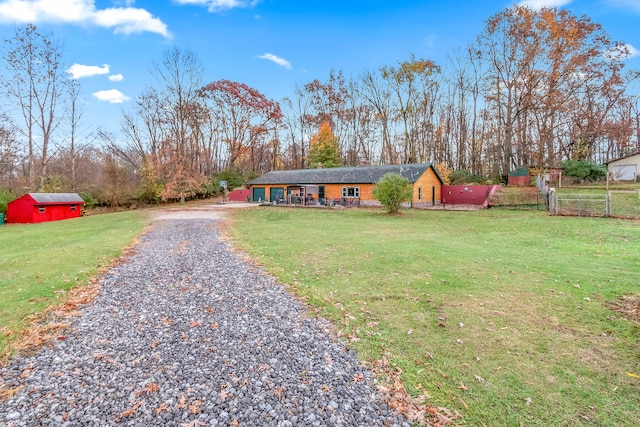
{"points": [[41, 207]]}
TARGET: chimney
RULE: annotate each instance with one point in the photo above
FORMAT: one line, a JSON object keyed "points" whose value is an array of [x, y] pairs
{"points": [[319, 166]]}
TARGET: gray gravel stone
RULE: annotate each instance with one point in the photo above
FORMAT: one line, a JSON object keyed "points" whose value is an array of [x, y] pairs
{"points": [[187, 332]]}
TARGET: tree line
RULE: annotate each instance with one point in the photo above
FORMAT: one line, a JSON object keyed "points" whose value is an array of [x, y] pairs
{"points": [[535, 88]]}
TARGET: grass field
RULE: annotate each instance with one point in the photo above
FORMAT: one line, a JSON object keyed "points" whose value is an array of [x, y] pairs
{"points": [[504, 317], [40, 262]]}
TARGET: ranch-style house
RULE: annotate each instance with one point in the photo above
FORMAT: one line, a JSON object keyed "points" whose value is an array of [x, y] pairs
{"points": [[346, 185]]}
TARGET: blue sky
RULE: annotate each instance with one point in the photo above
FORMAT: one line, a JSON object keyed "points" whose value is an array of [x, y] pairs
{"points": [[271, 45]]}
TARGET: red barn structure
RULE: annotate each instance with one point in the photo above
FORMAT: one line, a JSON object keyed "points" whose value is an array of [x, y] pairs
{"points": [[41, 207]]}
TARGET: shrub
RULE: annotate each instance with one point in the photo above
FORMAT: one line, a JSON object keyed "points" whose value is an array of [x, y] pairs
{"points": [[391, 191], [584, 169], [89, 201], [234, 179], [463, 176], [5, 197]]}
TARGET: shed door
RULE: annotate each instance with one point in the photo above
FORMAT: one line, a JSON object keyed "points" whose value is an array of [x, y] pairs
{"points": [[625, 172], [276, 193], [258, 194]]}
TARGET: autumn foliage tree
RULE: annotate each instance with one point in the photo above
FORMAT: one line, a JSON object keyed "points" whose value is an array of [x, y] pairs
{"points": [[324, 149], [246, 119]]}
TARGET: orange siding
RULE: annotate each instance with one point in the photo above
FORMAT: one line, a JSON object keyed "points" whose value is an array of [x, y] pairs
{"points": [[334, 191], [426, 181]]}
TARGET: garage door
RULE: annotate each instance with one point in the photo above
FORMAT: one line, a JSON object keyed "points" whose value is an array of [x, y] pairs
{"points": [[258, 194], [276, 193], [625, 172]]}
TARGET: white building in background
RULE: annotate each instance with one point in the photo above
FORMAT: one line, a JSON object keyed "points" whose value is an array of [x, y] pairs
{"points": [[625, 168]]}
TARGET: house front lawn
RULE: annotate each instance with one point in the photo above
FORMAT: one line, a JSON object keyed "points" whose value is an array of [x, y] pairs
{"points": [[40, 263], [502, 317]]}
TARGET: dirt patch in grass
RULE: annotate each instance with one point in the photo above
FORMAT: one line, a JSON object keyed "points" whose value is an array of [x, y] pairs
{"points": [[628, 306]]}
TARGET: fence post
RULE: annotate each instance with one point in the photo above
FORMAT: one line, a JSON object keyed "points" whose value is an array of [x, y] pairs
{"points": [[580, 205], [608, 204]]}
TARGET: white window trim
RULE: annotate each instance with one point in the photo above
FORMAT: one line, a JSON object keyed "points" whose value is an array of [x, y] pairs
{"points": [[345, 192]]}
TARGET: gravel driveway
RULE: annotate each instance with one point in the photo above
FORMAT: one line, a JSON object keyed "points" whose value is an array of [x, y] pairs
{"points": [[186, 333]]}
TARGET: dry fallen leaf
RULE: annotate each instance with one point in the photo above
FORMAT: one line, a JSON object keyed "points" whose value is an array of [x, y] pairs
{"points": [[162, 407], [223, 395], [195, 324], [130, 411], [527, 401], [195, 407], [480, 379], [151, 388]]}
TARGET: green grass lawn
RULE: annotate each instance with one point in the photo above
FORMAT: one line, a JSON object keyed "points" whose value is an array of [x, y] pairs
{"points": [[501, 316], [40, 262]]}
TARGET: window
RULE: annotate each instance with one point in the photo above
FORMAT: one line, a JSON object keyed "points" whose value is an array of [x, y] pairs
{"points": [[419, 193], [350, 192], [42, 210], [73, 208]]}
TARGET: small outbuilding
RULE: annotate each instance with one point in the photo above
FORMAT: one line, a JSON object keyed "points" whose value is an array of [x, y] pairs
{"points": [[41, 207], [350, 186], [625, 168]]}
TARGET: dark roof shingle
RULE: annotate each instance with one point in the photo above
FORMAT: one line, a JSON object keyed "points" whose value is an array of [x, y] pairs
{"points": [[346, 175], [56, 197]]}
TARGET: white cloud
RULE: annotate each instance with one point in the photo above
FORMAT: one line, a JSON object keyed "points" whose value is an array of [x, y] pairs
{"points": [[116, 77], [633, 52], [220, 5], [622, 52], [280, 61], [539, 4], [124, 20], [79, 71], [112, 96], [633, 5]]}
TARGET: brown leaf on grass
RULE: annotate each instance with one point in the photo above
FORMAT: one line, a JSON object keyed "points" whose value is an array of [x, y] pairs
{"points": [[464, 403], [443, 420], [462, 386], [414, 409], [480, 379]]}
